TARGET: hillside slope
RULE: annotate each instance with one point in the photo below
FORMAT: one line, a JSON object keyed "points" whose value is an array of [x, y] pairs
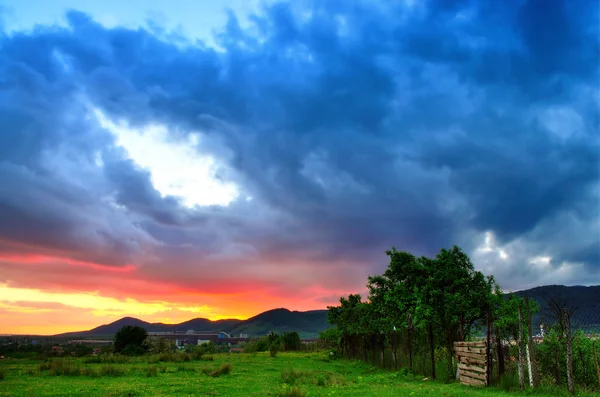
{"points": [[585, 301]]}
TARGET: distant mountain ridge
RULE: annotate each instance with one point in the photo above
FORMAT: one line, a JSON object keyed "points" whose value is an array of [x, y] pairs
{"points": [[308, 324], [584, 301]]}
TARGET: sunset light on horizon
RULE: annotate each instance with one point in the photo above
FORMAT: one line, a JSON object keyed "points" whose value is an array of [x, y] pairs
{"points": [[219, 159]]}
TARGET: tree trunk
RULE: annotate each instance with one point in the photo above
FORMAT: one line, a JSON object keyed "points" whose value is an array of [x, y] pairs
{"points": [[394, 346], [529, 365], [569, 352], [500, 355], [410, 351], [432, 350], [534, 378], [520, 343]]}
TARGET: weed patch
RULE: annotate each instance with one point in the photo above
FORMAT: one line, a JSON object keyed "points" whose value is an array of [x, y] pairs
{"points": [[224, 369], [107, 359], [64, 368], [111, 370], [292, 392], [291, 375], [151, 372]]}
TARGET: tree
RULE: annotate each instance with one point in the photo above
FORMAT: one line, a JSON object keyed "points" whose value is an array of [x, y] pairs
{"points": [[347, 317], [291, 341], [330, 337], [156, 345], [272, 338], [130, 339], [393, 298]]}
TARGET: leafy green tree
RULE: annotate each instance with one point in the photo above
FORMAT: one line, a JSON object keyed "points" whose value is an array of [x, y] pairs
{"points": [[130, 337], [272, 338], [291, 341], [330, 337], [156, 345], [347, 317], [393, 296]]}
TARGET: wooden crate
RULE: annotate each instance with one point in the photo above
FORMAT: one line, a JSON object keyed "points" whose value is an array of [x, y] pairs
{"points": [[472, 362]]}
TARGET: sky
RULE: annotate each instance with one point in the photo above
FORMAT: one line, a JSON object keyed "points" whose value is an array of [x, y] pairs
{"points": [[176, 159]]}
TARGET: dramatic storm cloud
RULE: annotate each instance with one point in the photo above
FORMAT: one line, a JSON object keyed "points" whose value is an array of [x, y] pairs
{"points": [[277, 161]]}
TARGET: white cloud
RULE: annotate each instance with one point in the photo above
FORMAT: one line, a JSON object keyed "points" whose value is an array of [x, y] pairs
{"points": [[176, 167]]}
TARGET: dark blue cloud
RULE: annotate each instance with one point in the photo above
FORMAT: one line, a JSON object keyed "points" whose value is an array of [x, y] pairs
{"points": [[355, 126]]}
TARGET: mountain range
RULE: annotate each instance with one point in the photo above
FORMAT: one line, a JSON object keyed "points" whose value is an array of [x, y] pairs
{"points": [[308, 324], [584, 301]]}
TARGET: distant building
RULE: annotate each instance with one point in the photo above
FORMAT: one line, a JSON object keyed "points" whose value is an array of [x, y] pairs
{"points": [[192, 337], [90, 342]]}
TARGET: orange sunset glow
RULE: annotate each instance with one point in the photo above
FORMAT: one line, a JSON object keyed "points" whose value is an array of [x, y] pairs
{"points": [[105, 294]]}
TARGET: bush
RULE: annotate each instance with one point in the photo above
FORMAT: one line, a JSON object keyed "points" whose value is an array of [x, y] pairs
{"points": [[274, 349], [195, 351], [156, 345], [259, 345], [291, 375], [224, 369], [208, 348], [291, 341]]}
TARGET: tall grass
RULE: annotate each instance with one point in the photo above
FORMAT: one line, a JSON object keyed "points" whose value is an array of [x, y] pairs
{"points": [[291, 375], [64, 368], [108, 359], [292, 392], [224, 369]]}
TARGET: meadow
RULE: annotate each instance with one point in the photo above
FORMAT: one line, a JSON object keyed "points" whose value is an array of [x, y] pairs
{"points": [[224, 374]]}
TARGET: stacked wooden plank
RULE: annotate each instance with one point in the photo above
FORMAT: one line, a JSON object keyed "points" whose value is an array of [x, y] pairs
{"points": [[472, 362]]}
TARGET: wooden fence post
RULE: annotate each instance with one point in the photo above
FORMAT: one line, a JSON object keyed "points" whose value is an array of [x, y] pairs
{"points": [[488, 353], [534, 378], [520, 343], [569, 352], [500, 353]]}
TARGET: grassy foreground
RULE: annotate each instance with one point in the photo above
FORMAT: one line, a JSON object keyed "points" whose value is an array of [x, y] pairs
{"points": [[288, 374]]}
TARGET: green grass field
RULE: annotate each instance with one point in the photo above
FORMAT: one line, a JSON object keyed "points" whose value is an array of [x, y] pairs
{"points": [[288, 374]]}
